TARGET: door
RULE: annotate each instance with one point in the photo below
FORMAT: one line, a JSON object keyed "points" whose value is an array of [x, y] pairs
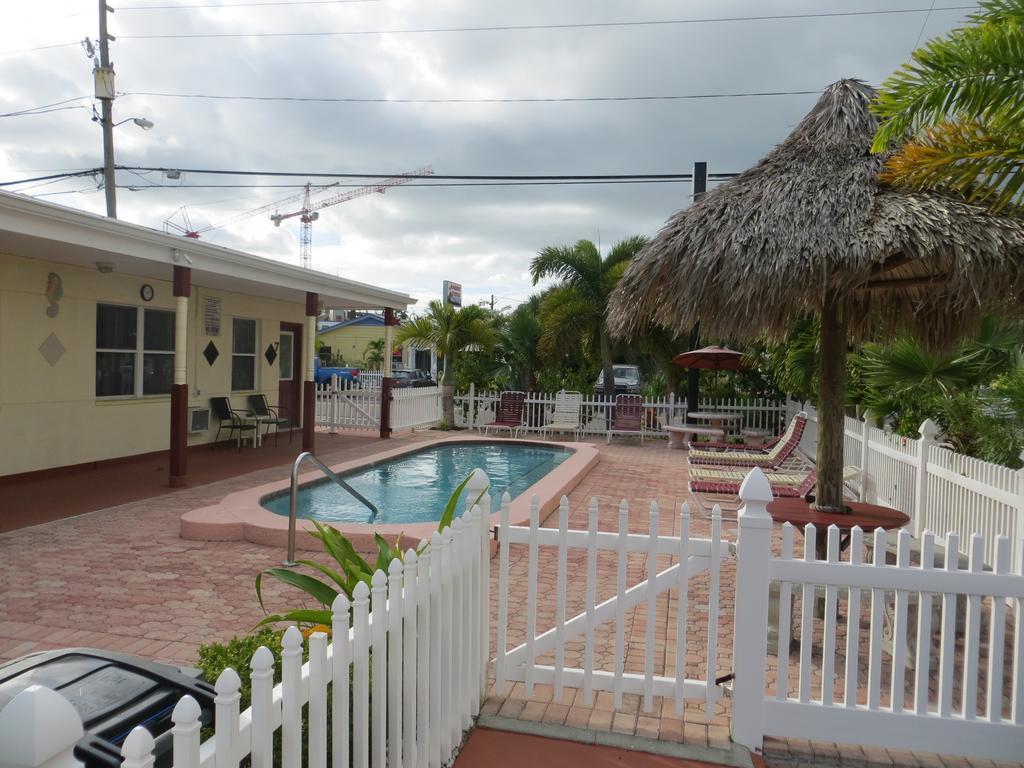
{"points": [[289, 386]]}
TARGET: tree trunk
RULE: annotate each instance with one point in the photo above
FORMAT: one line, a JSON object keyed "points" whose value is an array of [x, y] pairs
{"points": [[831, 394], [693, 376], [606, 364], [448, 390]]}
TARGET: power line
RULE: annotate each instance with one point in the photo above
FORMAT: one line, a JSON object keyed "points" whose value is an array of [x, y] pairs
{"points": [[30, 110], [186, 6], [923, 25], [39, 48], [449, 177], [511, 100], [531, 27], [422, 185], [70, 175]]}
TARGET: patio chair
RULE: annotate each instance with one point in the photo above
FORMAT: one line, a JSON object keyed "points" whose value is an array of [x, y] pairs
{"points": [[723, 445], [566, 416], [230, 419], [267, 414], [771, 459], [725, 491], [510, 414], [628, 418]]}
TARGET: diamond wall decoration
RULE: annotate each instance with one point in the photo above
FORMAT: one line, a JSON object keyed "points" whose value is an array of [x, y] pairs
{"points": [[211, 353], [52, 350], [270, 354]]}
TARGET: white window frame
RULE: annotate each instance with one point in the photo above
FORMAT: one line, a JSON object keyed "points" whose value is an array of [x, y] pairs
{"points": [[140, 351], [254, 355]]}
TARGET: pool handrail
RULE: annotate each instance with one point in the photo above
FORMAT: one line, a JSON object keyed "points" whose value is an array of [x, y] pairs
{"points": [[293, 499]]}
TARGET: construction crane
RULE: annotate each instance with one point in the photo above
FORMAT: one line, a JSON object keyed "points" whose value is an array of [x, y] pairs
{"points": [[310, 211]]}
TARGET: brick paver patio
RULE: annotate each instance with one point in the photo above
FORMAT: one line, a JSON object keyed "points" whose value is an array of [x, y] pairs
{"points": [[122, 579]]}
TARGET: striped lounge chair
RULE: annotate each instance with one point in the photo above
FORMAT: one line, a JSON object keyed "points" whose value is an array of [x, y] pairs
{"points": [[725, 492], [628, 419], [510, 414], [770, 459]]}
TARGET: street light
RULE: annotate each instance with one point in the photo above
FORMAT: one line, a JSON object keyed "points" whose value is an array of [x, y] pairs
{"points": [[142, 122]]}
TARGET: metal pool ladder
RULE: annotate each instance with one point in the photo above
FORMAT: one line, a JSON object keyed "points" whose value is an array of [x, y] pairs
{"points": [[293, 499]]}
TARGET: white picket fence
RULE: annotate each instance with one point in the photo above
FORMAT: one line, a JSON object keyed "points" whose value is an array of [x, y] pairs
{"points": [[939, 489], [474, 408], [347, 405], [692, 556], [878, 687], [352, 405], [415, 407], [424, 624]]}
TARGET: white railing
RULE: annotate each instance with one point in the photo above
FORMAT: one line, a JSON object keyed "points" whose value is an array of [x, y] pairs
{"points": [[474, 408], [347, 405], [415, 407], [370, 379], [940, 489], [424, 624], [690, 558], [868, 678]]}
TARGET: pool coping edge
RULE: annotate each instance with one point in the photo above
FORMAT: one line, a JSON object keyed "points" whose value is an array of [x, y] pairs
{"points": [[240, 517]]}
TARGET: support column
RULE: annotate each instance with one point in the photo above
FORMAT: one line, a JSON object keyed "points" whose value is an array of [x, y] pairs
{"points": [[308, 374], [179, 387], [390, 321]]}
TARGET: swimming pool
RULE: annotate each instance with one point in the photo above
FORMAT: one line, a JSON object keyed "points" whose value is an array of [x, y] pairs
{"points": [[415, 488]]}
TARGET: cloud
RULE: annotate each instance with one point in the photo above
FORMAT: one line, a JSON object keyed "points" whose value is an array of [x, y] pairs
{"points": [[411, 239]]}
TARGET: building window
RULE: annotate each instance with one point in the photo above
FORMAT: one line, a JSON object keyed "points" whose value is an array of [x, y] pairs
{"points": [[243, 355], [134, 351]]}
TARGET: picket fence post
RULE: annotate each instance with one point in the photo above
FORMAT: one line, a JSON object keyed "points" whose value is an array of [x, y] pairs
{"points": [[753, 555], [929, 430], [472, 406], [1018, 539], [39, 727], [864, 457]]}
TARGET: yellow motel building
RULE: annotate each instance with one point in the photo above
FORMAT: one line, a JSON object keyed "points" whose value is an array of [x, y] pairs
{"points": [[115, 337]]}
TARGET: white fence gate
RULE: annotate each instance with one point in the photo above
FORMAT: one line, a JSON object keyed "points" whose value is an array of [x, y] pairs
{"points": [[347, 405], [424, 624], [692, 556], [852, 685], [351, 405]]}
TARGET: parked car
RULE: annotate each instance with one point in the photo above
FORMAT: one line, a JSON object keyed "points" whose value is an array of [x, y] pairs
{"points": [[412, 378], [323, 373], [627, 380]]}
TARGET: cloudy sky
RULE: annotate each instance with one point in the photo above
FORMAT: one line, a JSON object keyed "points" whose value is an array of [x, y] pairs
{"points": [[412, 238]]}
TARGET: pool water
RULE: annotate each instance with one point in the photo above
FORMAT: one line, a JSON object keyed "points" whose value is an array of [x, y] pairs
{"points": [[415, 488]]}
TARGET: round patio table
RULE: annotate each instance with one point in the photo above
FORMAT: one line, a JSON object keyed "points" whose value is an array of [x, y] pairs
{"points": [[798, 512], [716, 419]]}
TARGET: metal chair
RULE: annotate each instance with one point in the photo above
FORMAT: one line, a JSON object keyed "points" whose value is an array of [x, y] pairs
{"points": [[267, 414], [230, 419]]}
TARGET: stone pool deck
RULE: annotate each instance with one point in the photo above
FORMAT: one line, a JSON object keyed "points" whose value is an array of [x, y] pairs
{"points": [[122, 578]]}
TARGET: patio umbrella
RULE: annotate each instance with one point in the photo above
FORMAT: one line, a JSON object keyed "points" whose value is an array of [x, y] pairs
{"points": [[711, 358], [810, 229]]}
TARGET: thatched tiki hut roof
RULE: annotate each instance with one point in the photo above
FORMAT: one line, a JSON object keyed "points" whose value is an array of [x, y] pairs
{"points": [[810, 229]]}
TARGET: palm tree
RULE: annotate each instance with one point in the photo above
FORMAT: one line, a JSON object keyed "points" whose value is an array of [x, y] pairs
{"points": [[962, 96], [374, 354], [574, 311], [449, 330], [517, 346]]}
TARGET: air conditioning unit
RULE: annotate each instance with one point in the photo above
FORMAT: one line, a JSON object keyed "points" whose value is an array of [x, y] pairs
{"points": [[199, 419]]}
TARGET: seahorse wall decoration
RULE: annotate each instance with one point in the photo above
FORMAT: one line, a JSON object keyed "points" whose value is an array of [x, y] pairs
{"points": [[54, 293]]}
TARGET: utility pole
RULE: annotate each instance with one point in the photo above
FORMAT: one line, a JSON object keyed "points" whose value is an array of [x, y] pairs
{"points": [[700, 186], [103, 82]]}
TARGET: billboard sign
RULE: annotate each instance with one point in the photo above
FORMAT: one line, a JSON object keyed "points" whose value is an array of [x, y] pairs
{"points": [[452, 293]]}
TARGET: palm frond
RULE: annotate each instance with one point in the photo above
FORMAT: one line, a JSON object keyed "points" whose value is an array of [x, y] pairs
{"points": [[623, 251], [964, 157], [975, 71]]}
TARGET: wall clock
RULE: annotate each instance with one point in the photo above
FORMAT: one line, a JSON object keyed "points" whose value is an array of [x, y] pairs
{"points": [[146, 292]]}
